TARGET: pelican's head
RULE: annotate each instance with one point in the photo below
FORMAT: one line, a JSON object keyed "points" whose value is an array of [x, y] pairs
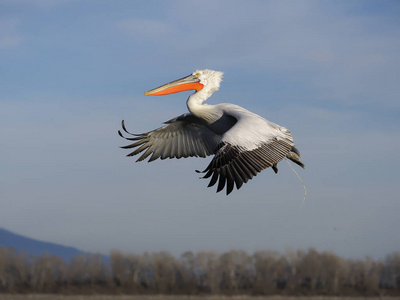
{"points": [[200, 80]]}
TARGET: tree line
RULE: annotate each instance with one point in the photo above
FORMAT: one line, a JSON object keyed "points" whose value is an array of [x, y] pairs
{"points": [[235, 272]]}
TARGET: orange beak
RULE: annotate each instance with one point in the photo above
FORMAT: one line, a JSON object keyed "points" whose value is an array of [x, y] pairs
{"points": [[187, 83]]}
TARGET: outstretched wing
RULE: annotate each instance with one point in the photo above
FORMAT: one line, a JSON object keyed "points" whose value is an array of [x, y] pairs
{"points": [[250, 146], [184, 136]]}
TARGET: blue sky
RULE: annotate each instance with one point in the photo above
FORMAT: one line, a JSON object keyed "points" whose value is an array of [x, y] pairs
{"points": [[70, 71]]}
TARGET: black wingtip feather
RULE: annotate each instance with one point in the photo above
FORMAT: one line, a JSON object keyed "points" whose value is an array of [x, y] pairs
{"points": [[230, 183], [123, 126], [222, 180], [214, 179]]}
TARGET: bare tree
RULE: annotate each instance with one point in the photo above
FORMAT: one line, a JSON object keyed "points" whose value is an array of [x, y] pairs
{"points": [[77, 273], [310, 267], [207, 272], [97, 271], [189, 270], [130, 272], [234, 272], [15, 269], [167, 272], [264, 262], [332, 274], [391, 271], [48, 273]]}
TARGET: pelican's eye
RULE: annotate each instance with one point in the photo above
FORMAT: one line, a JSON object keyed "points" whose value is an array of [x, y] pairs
{"points": [[197, 74]]}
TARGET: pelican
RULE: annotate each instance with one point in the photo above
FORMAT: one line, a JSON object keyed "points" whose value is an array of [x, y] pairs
{"points": [[243, 143]]}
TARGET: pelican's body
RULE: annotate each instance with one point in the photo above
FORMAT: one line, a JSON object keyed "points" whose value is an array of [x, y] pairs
{"points": [[243, 143]]}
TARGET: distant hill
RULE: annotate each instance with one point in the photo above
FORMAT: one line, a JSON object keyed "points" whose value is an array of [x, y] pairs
{"points": [[32, 246]]}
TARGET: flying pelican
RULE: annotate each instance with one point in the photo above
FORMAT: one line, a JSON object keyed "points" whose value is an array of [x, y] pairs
{"points": [[242, 142]]}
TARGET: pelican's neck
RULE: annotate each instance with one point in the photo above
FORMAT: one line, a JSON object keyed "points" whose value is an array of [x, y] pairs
{"points": [[196, 99], [203, 111]]}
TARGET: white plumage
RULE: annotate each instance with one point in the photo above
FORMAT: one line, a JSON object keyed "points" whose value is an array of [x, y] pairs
{"points": [[243, 143]]}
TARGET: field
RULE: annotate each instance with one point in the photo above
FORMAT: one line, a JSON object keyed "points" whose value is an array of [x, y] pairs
{"points": [[161, 297]]}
